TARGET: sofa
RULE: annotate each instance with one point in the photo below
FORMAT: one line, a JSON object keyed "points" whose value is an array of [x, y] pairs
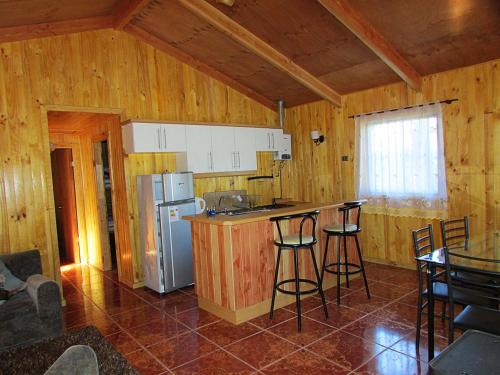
{"points": [[34, 313]]}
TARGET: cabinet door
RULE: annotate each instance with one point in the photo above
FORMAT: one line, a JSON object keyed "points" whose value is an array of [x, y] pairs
{"points": [[262, 139], [245, 149], [275, 136], [223, 152], [199, 149], [142, 137], [173, 137]]}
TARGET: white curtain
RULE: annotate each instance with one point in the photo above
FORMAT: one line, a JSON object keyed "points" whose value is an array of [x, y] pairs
{"points": [[400, 165]]}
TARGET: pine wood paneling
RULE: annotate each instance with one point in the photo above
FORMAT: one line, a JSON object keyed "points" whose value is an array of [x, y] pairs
{"points": [[104, 69], [324, 177]]}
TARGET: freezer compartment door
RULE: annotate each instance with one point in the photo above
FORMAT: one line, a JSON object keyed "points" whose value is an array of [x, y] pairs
{"points": [[176, 244], [178, 186]]}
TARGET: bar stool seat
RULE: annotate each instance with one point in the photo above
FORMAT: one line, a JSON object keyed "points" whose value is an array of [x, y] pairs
{"points": [[294, 239], [344, 230], [295, 243], [340, 228]]}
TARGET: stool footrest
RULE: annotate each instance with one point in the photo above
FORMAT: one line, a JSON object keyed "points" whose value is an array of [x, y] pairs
{"points": [[308, 291], [357, 268]]}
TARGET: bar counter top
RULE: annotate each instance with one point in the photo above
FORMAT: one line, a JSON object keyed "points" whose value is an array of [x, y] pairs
{"points": [[299, 207]]}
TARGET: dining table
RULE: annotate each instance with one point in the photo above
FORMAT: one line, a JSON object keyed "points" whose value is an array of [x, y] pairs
{"points": [[477, 249]]}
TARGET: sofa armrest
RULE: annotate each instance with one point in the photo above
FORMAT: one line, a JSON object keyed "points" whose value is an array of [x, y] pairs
{"points": [[46, 296], [23, 264]]}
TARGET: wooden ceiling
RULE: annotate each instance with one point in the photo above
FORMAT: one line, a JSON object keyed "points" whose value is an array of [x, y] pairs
{"points": [[296, 50]]}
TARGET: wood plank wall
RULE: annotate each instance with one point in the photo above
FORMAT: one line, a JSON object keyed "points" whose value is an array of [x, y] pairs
{"points": [[103, 69], [322, 176]]}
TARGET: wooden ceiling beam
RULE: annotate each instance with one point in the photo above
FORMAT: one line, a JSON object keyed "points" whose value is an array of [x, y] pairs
{"points": [[365, 32], [40, 30], [163, 46], [238, 33], [126, 10]]}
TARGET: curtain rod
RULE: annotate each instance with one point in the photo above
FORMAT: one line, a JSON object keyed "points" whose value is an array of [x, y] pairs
{"points": [[447, 101]]}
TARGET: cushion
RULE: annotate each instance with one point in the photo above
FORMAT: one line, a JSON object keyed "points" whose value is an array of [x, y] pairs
{"points": [[480, 318], [294, 239], [9, 282], [340, 228]]}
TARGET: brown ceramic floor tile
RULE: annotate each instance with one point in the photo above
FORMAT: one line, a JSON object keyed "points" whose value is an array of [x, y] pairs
{"points": [[157, 330], [379, 273], [279, 316], [311, 331], [265, 349], [145, 363], [338, 316], [303, 362], [392, 292], [381, 331], [390, 362], [401, 313], [79, 317], [174, 304], [118, 307], [403, 280], [218, 362], [182, 349], [196, 318], [407, 345], [359, 301], [224, 333], [331, 294], [137, 317], [123, 342], [306, 305], [346, 350]]}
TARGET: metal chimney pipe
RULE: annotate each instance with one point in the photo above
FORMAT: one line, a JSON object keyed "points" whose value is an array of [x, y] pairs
{"points": [[281, 112]]}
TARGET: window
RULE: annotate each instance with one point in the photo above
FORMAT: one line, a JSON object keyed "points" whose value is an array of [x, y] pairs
{"points": [[400, 159]]}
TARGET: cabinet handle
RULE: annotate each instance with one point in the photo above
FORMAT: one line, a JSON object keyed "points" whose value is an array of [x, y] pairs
{"points": [[209, 161], [233, 156], [273, 138], [268, 140], [159, 138], [165, 137], [239, 161]]}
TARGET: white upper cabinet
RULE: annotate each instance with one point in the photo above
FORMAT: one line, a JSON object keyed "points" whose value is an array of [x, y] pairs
{"points": [[223, 155], [203, 148], [267, 139], [245, 156], [199, 150], [151, 137]]}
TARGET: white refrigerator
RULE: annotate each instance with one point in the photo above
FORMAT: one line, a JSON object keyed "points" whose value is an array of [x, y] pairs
{"points": [[167, 260]]}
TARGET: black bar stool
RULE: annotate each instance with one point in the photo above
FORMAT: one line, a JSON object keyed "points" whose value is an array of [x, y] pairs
{"points": [[344, 230], [296, 242]]}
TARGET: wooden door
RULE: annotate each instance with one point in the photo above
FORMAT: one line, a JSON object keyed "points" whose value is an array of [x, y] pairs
{"points": [[492, 158], [65, 202], [102, 206]]}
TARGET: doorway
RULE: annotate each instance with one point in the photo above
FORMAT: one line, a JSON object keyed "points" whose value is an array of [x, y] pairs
{"points": [[65, 204], [105, 203]]}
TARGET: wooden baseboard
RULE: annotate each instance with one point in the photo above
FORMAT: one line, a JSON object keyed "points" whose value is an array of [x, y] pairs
{"points": [[254, 311], [138, 284]]}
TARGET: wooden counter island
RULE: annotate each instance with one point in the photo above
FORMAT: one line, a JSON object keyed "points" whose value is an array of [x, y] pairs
{"points": [[234, 259]]}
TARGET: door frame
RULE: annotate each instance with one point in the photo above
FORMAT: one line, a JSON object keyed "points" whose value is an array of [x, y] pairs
{"points": [[124, 249]]}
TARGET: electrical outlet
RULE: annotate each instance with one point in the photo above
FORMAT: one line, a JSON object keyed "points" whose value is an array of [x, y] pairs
{"points": [[344, 158]]}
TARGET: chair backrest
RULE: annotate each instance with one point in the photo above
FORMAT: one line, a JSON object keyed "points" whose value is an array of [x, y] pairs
{"points": [[348, 210], [455, 231], [423, 243], [470, 275], [306, 216]]}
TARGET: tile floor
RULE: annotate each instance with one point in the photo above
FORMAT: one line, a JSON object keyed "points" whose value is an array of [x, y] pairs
{"points": [[170, 334]]}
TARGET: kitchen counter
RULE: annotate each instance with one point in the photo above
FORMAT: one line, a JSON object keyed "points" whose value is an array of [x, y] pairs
{"points": [[234, 259], [298, 207]]}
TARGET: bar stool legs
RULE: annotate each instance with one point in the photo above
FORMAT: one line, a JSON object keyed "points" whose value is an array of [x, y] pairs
{"points": [[275, 285], [359, 268], [297, 280]]}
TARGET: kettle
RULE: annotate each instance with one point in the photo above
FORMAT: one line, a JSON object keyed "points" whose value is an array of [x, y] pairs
{"points": [[200, 205]]}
